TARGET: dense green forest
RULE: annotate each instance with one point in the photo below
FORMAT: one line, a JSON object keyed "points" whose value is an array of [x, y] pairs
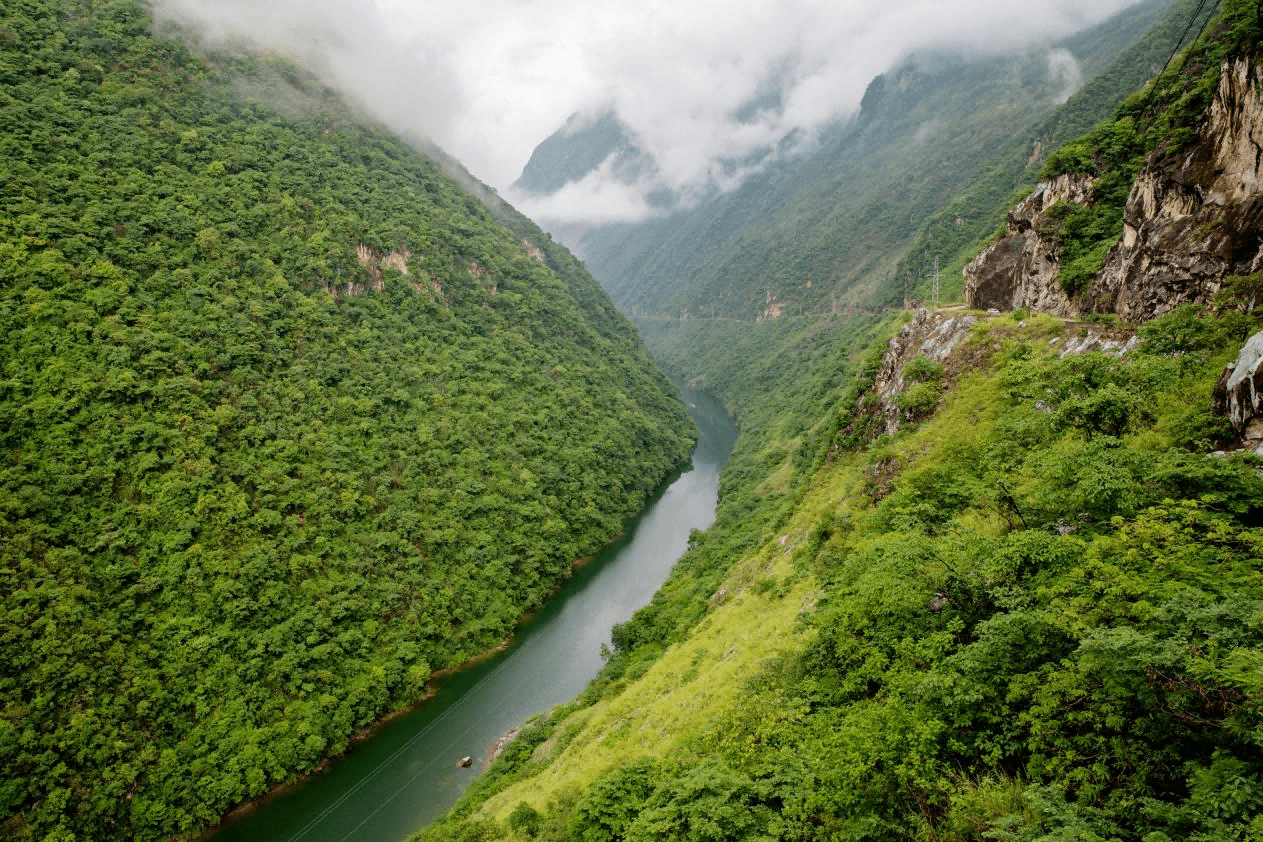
{"points": [[1035, 613], [288, 422]]}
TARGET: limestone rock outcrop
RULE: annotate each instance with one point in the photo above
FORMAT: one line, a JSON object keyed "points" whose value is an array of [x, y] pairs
{"points": [[1021, 269], [1190, 222], [930, 335], [938, 336], [1239, 393]]}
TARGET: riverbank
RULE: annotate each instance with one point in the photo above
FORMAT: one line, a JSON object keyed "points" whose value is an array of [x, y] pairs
{"points": [[434, 681], [401, 771]]}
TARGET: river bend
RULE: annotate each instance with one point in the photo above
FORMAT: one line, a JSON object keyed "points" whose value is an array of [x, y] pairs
{"points": [[406, 774]]}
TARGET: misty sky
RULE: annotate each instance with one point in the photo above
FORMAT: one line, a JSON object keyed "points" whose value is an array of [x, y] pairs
{"points": [[489, 79]]}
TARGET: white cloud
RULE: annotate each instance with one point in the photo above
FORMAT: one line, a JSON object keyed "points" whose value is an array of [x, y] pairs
{"points": [[599, 198], [489, 79], [1063, 67]]}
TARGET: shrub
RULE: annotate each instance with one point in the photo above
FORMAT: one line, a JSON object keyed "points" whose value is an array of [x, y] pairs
{"points": [[922, 370], [1183, 330], [613, 801], [919, 400]]}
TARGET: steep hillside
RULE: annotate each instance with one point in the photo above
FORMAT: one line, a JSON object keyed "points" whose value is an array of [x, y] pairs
{"points": [[817, 232], [1015, 595], [1158, 207], [288, 422], [1032, 614]]}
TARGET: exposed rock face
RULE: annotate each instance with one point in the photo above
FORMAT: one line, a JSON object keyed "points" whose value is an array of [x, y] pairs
{"points": [[773, 307], [1100, 342], [930, 335], [1239, 393], [1189, 223], [1021, 268], [374, 262], [504, 740], [1192, 222]]}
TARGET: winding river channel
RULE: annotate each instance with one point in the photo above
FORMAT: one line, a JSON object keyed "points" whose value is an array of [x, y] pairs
{"points": [[406, 774]]}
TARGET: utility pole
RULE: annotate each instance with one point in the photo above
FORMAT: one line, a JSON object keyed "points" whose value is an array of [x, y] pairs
{"points": [[936, 280]]}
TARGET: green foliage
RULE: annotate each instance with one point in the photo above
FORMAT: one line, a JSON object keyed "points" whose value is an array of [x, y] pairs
{"points": [[1073, 157], [1112, 154], [1189, 329], [924, 378], [709, 803], [922, 370], [1242, 292], [525, 819], [919, 400], [612, 803], [256, 487], [1086, 240]]}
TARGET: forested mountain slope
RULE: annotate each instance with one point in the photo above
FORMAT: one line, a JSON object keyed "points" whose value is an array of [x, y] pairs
{"points": [[826, 229], [1029, 609], [287, 422]]}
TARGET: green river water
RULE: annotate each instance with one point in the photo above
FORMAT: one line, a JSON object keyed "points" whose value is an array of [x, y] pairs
{"points": [[406, 774]]}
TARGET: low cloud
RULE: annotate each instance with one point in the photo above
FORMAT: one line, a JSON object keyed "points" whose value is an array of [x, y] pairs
{"points": [[702, 83], [599, 198], [1063, 67]]}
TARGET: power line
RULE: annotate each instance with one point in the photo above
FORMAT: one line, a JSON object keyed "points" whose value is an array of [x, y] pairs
{"points": [[1178, 45]]}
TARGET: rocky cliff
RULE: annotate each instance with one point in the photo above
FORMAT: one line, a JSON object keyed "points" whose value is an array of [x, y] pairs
{"points": [[939, 338], [930, 335], [1021, 268], [1190, 221]]}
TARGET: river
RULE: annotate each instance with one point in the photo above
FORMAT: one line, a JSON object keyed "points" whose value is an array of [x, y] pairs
{"points": [[406, 775]]}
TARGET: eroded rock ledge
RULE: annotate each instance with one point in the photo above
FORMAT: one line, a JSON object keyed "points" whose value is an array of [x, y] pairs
{"points": [[939, 337], [931, 335], [1021, 269]]}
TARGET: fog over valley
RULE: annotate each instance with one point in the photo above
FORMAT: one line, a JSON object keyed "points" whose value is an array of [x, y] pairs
{"points": [[705, 89]]}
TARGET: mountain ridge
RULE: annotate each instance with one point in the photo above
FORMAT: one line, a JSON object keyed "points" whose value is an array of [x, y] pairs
{"points": [[790, 231]]}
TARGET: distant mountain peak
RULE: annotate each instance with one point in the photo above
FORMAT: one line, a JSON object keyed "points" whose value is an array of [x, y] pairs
{"points": [[581, 146]]}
